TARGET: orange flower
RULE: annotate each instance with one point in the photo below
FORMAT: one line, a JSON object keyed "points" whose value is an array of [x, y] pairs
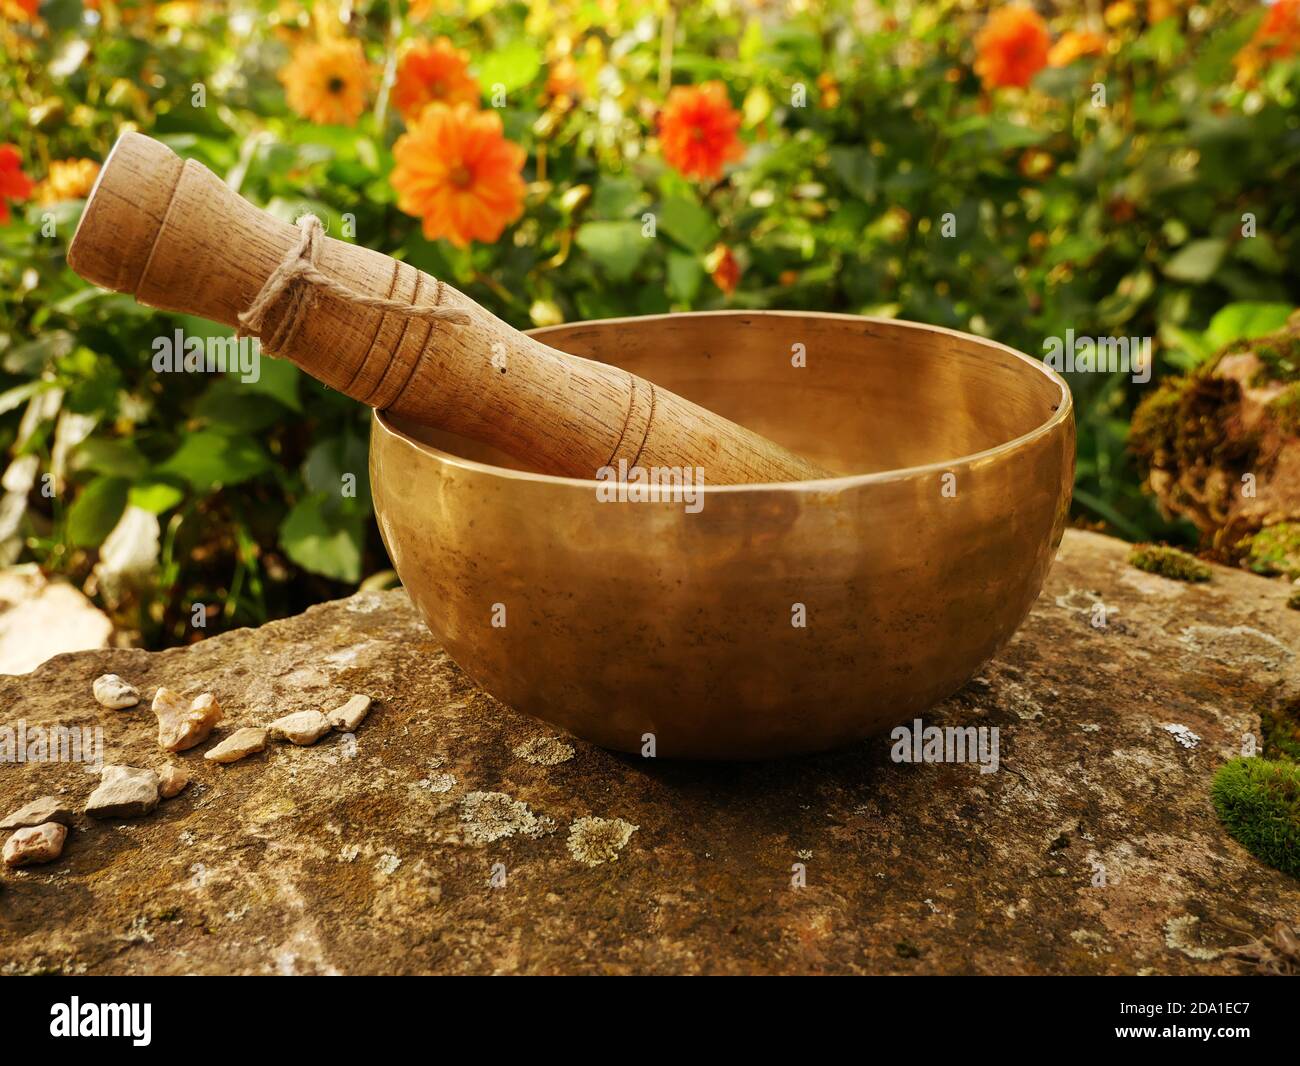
{"points": [[1279, 33], [1075, 44], [828, 90], [24, 10], [1035, 163], [724, 268], [457, 172], [1011, 48], [697, 129], [328, 82], [69, 179], [14, 184], [563, 79], [429, 73]]}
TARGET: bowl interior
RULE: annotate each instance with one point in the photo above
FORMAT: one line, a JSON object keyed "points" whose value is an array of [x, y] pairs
{"points": [[872, 395]]}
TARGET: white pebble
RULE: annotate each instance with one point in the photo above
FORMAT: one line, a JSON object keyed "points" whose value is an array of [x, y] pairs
{"points": [[240, 743], [112, 692], [301, 728], [346, 718]]}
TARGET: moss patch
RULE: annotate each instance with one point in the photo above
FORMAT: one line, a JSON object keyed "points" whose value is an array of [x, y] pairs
{"points": [[1286, 409], [1275, 550], [1280, 354], [1280, 725], [1169, 562], [1258, 801]]}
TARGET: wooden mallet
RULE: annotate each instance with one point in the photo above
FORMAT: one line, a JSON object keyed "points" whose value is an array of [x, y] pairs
{"points": [[173, 235]]}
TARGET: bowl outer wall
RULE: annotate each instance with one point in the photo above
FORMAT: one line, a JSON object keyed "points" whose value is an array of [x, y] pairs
{"points": [[623, 621]]}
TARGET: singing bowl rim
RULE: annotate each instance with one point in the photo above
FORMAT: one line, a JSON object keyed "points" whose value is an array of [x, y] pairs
{"points": [[1063, 412]]}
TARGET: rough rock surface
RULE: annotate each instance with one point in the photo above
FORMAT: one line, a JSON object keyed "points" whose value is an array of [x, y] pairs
{"points": [[40, 618], [38, 812], [424, 843], [124, 792]]}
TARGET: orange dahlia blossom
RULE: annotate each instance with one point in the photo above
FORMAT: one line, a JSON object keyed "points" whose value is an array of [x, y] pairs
{"points": [[68, 179], [14, 184], [1278, 35], [429, 73], [328, 82], [724, 268], [1011, 48], [1075, 44], [697, 130], [457, 172]]}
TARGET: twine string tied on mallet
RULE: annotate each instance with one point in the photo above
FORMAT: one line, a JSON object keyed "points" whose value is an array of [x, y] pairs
{"points": [[300, 281]]}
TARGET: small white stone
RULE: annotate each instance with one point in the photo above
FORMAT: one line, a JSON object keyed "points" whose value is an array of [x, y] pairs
{"points": [[111, 691], [346, 718], [182, 723], [124, 792], [242, 742], [38, 843], [171, 780], [301, 728]]}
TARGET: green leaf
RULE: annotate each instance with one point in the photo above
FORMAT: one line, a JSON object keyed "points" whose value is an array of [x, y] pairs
{"points": [[278, 379], [155, 496], [684, 277], [513, 66], [34, 356], [209, 458], [334, 459], [230, 405], [1197, 261], [95, 511], [116, 457], [617, 247], [1242, 321], [1130, 294], [615, 198], [324, 539], [856, 167], [686, 222]]}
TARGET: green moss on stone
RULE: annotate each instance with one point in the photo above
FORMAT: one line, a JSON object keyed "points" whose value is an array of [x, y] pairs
{"points": [[1280, 724], [1280, 354], [1258, 801], [1286, 410], [1168, 562], [1274, 550]]}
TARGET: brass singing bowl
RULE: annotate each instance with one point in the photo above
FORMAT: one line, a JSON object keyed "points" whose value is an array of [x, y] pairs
{"points": [[777, 618]]}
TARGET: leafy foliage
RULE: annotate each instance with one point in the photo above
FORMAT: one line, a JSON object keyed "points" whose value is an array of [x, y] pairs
{"points": [[879, 178]]}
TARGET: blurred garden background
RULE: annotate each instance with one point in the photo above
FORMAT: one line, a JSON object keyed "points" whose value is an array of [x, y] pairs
{"points": [[1127, 169]]}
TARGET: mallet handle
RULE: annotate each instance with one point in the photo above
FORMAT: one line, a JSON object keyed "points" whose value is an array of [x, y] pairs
{"points": [[176, 237]]}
